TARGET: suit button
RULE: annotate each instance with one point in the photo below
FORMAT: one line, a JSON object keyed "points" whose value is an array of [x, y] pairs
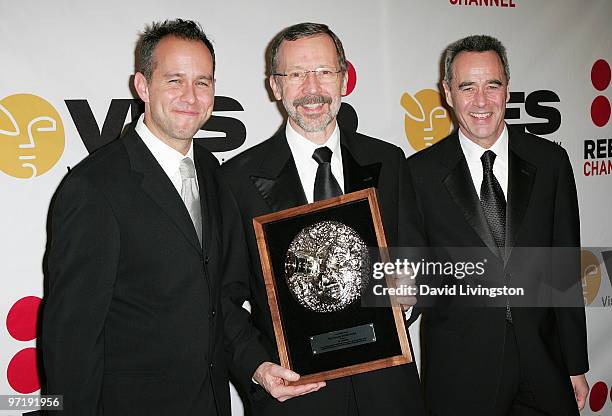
{"points": [[210, 365], [213, 313], [206, 260]]}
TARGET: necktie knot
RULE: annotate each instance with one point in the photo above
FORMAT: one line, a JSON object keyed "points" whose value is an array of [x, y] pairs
{"points": [[487, 159], [322, 155], [187, 168]]}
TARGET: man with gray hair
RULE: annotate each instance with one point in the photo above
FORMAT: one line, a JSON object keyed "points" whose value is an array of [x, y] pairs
{"points": [[310, 158], [490, 186]]}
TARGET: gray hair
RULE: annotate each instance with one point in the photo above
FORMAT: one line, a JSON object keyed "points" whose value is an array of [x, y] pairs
{"points": [[474, 43], [299, 31], [156, 31]]}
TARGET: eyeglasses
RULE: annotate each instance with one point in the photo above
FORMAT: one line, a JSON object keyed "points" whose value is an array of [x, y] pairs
{"points": [[323, 75]]}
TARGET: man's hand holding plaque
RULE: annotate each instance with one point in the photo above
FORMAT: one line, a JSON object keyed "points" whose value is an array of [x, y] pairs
{"points": [[274, 378], [402, 282]]}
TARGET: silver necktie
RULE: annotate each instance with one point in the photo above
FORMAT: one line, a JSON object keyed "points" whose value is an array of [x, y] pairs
{"points": [[190, 194]]}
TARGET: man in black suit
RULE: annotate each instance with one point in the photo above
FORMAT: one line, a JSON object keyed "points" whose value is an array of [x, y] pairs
{"points": [[132, 318], [504, 190], [311, 158]]}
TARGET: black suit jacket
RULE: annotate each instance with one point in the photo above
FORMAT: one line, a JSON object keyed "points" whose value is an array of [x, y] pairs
{"points": [[463, 346], [131, 317], [264, 179]]}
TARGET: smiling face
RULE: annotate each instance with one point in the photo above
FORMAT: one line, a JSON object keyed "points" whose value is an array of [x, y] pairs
{"points": [[478, 94], [179, 97], [313, 104]]}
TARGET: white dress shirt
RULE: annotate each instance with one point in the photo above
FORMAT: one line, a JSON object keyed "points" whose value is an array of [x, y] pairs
{"points": [[302, 150], [168, 158], [473, 152]]}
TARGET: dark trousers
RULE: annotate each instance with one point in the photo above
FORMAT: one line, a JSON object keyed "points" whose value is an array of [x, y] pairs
{"points": [[515, 396]]}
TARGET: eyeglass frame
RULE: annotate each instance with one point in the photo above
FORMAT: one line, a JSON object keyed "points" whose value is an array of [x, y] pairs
{"points": [[304, 74]]}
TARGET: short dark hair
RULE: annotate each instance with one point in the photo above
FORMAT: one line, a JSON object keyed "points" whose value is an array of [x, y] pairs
{"points": [[156, 31], [474, 43], [299, 31]]}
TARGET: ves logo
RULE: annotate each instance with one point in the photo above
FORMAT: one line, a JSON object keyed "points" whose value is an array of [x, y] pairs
{"points": [[591, 276], [31, 136], [426, 121]]}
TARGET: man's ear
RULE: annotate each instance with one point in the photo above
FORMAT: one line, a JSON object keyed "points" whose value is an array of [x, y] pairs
{"points": [[276, 89], [142, 86], [507, 91], [447, 93], [344, 82]]}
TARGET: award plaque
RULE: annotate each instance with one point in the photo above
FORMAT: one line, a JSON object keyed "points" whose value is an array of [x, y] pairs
{"points": [[317, 264]]}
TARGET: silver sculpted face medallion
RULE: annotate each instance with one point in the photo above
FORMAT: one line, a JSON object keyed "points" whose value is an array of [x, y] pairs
{"points": [[327, 266]]}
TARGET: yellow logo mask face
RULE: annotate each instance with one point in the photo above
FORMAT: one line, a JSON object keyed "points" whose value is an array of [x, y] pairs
{"points": [[426, 121], [31, 136], [591, 276]]}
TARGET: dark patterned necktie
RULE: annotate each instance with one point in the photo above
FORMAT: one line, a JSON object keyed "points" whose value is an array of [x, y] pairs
{"points": [[494, 206], [492, 200], [325, 185]]}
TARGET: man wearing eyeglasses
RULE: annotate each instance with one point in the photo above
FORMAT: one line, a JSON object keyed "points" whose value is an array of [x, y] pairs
{"points": [[310, 159]]}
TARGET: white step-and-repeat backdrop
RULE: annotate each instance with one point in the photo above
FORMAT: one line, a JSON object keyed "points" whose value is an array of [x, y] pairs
{"points": [[65, 89]]}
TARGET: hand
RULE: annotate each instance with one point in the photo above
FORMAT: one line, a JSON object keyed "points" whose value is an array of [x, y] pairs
{"points": [[406, 282], [274, 378], [581, 389]]}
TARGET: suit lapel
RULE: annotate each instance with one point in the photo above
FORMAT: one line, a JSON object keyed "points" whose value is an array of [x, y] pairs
{"points": [[277, 179], [356, 176], [521, 177], [459, 185], [209, 206], [207, 203], [158, 186]]}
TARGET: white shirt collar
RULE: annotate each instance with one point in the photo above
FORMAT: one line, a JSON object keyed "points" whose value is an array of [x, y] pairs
{"points": [[302, 150], [167, 157], [473, 150], [473, 153], [306, 147]]}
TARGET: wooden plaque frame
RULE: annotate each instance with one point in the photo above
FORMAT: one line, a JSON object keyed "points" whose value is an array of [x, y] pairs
{"points": [[270, 278]]}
